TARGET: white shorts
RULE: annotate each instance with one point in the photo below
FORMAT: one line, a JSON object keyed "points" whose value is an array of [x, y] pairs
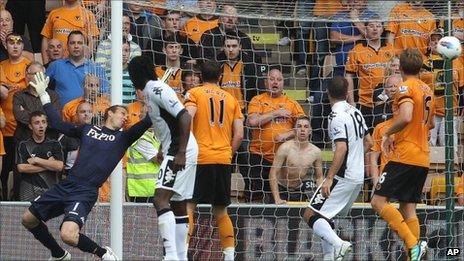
{"points": [[342, 196], [182, 182]]}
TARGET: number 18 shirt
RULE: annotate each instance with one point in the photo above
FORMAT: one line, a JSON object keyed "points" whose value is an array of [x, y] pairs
{"points": [[347, 124]]}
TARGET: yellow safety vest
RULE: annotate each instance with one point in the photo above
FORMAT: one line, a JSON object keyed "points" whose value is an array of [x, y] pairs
{"points": [[141, 173]]}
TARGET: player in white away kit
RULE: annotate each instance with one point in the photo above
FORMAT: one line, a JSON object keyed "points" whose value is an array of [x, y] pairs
{"points": [[345, 177], [176, 178]]}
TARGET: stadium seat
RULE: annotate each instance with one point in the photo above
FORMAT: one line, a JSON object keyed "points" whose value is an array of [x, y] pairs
{"points": [[438, 188], [237, 185]]}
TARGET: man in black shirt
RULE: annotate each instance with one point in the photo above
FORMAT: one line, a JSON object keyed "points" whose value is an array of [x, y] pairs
{"points": [[39, 159]]}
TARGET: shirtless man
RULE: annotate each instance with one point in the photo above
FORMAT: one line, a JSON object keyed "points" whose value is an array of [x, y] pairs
{"points": [[289, 177]]}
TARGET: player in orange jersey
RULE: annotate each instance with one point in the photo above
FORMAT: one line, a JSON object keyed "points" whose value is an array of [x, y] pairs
{"points": [[220, 113], [406, 144]]}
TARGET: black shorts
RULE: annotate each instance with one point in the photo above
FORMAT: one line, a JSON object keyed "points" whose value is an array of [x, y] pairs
{"points": [[212, 184], [402, 181], [73, 200], [298, 194]]}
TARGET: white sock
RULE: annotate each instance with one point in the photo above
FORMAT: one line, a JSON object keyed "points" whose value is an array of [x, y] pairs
{"points": [[167, 229], [181, 237], [327, 250], [229, 254], [323, 229]]}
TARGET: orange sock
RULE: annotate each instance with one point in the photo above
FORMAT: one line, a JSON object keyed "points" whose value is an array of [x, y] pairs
{"points": [[396, 222], [191, 226], [413, 224], [226, 232]]}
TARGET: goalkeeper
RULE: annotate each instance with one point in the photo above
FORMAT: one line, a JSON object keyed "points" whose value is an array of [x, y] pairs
{"points": [[76, 195]]}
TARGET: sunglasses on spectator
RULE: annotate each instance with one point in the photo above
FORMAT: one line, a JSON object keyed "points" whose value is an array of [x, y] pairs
{"points": [[15, 39]]}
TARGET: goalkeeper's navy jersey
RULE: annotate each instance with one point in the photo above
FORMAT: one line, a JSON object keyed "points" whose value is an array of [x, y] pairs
{"points": [[100, 149]]}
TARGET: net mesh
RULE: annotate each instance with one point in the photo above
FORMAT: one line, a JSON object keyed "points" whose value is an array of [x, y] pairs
{"points": [[264, 231]]}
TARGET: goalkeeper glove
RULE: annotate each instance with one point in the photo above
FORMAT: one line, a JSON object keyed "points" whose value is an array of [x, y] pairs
{"points": [[40, 85]]}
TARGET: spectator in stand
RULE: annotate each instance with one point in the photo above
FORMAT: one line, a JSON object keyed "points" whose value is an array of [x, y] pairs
{"points": [[27, 101], [93, 96], [145, 28], [410, 26], [433, 74], [128, 90], [271, 117], [393, 66], [212, 41], [346, 34], [172, 50], [2, 153], [142, 167], [70, 145], [72, 16], [6, 28], [39, 159], [191, 78], [240, 76], [103, 55], [367, 61], [171, 26], [12, 80], [289, 177], [196, 26], [134, 110], [32, 14], [458, 24], [55, 51], [68, 74], [383, 98]]}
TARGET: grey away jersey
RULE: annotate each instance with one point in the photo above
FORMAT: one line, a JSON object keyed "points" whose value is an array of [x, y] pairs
{"points": [[346, 123], [164, 108]]}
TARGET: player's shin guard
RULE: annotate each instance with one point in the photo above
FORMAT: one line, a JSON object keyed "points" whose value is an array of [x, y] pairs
{"points": [[182, 228], [226, 235], [167, 229], [42, 234], [413, 225], [86, 244], [396, 222]]}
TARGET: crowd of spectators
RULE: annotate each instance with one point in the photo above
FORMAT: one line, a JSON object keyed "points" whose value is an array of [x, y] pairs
{"points": [[68, 45]]}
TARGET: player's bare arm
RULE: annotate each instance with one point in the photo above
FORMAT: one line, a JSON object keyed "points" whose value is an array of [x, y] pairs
{"points": [[184, 122], [405, 111], [280, 158], [318, 169], [341, 149], [237, 134]]}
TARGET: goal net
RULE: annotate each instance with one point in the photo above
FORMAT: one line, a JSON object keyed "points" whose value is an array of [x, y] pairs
{"points": [[311, 42]]}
